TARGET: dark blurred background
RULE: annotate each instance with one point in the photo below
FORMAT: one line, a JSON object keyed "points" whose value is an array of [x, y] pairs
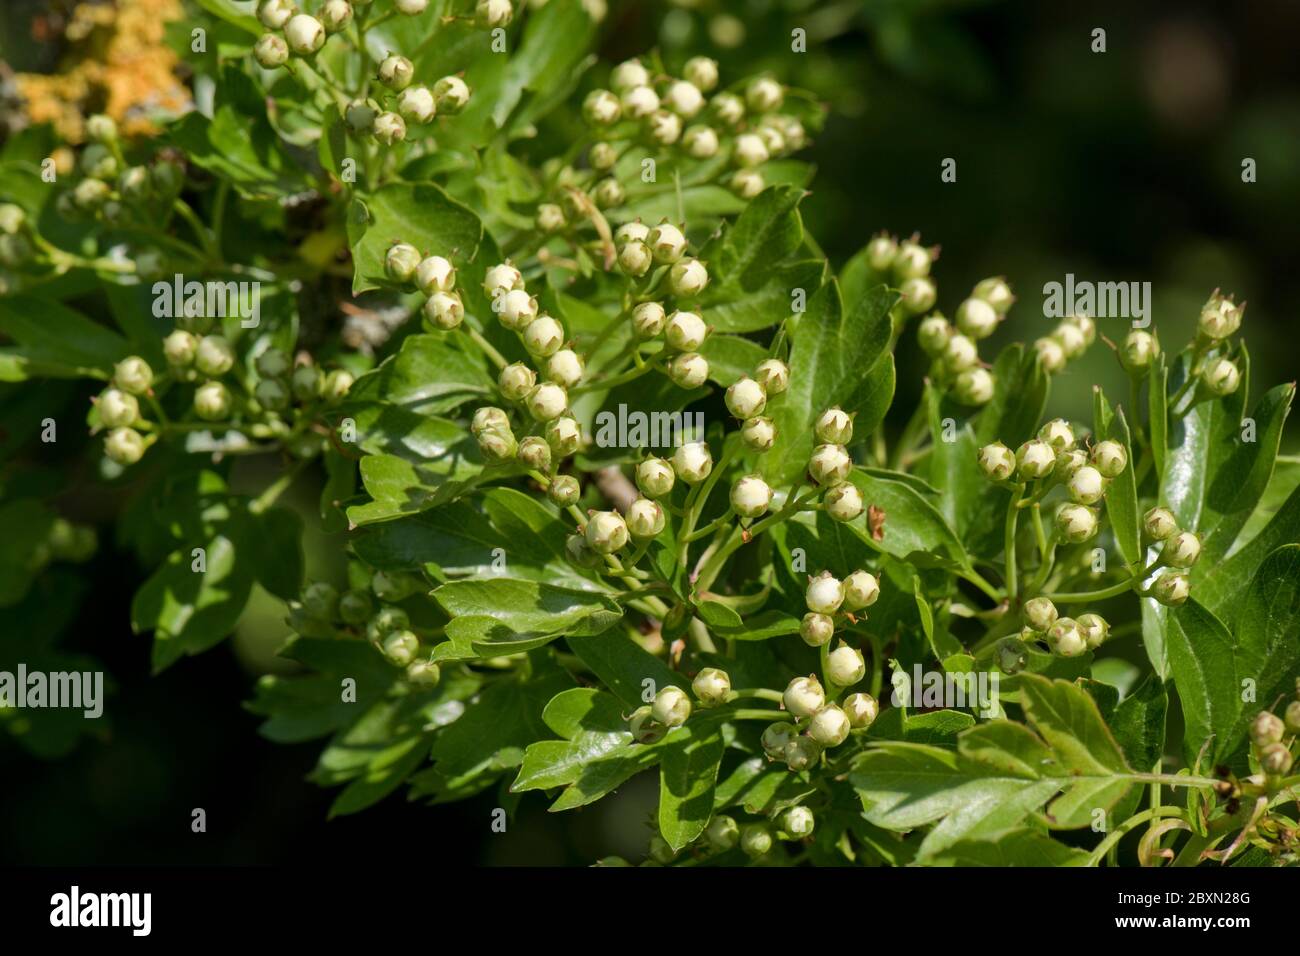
{"points": [[1115, 166]]}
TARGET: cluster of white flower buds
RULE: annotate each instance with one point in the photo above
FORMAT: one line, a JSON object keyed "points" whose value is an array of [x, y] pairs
{"points": [[1053, 458], [372, 614], [1065, 636], [402, 103], [906, 265], [676, 112], [954, 346], [1179, 551], [1274, 739], [196, 355], [829, 599], [1069, 340], [540, 388], [108, 190], [830, 465], [819, 723]]}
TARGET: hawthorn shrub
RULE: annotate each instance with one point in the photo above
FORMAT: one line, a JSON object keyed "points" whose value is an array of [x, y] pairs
{"points": [[598, 436]]}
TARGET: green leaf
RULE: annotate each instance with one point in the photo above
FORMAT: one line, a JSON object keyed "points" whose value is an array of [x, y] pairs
{"points": [[498, 725], [687, 777], [767, 232], [623, 666], [730, 308], [1207, 667], [1243, 474], [1064, 762], [53, 341], [400, 487], [731, 357], [911, 523], [190, 611], [1121, 496], [829, 354], [529, 607], [1020, 847], [592, 726], [1019, 397], [418, 213], [1216, 585], [273, 550], [429, 375]]}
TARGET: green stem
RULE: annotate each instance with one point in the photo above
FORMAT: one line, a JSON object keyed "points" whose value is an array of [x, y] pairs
{"points": [[1127, 826], [1009, 541], [489, 350]]}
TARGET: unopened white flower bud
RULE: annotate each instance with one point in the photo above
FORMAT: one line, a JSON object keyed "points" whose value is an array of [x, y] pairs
{"points": [[395, 72], [684, 98], [995, 292], [444, 310], [746, 398], [564, 435], [639, 102], [1076, 523], [274, 14], [977, 318], [764, 95], [1070, 337], [845, 666], [749, 151], [271, 51], [843, 501], [606, 532], [452, 94], [861, 589], [685, 331], [117, 408], [816, 629], [212, 401], [516, 381], [759, 433], [1051, 356], [1086, 486], [628, 74], [861, 709], [1221, 377], [700, 141], [959, 354], [829, 726], [547, 401], [747, 183], [500, 279], [304, 34], [1139, 351], [829, 464], [648, 320], [750, 496], [997, 461], [1040, 613], [389, 128], [1181, 550], [543, 336], [565, 368], [1220, 317], [133, 375], [515, 309], [491, 14], [712, 687], [801, 753], [728, 107], [435, 274], [645, 518], [535, 453], [563, 491], [654, 477], [689, 370], [1094, 629], [692, 462], [776, 736], [1067, 638], [335, 15], [824, 594], [773, 375], [1035, 459], [601, 108], [671, 707], [1058, 434], [974, 386], [702, 72], [125, 446], [834, 427], [179, 348], [804, 696], [644, 728], [1159, 523]]}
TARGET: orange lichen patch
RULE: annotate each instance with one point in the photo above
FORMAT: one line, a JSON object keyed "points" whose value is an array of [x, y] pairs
{"points": [[117, 63]]}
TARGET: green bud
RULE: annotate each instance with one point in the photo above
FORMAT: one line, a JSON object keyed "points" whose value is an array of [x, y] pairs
{"points": [[722, 833], [801, 753], [1012, 655], [423, 673], [400, 261], [306, 383], [320, 599], [272, 395], [1221, 377], [452, 94], [1159, 524], [400, 647], [816, 629], [671, 706], [755, 840], [775, 737], [124, 446], [1275, 760], [1171, 588], [1040, 613], [1266, 729], [644, 728], [798, 822], [1139, 351], [563, 490], [214, 357], [355, 607]]}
